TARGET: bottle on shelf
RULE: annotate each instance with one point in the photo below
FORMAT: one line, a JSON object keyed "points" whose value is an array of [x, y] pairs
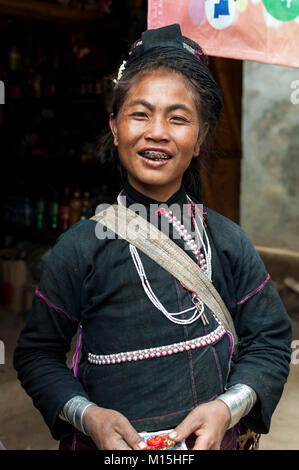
{"points": [[54, 215], [28, 213], [37, 86], [86, 206], [15, 59], [64, 211], [75, 208], [40, 214], [98, 87]]}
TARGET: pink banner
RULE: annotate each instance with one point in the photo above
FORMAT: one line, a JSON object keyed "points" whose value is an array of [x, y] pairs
{"points": [[259, 30]]}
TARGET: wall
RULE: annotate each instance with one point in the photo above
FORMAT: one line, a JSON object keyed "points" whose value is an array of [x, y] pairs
{"points": [[269, 211]]}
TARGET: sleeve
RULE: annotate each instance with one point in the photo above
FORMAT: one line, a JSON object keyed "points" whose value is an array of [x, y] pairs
{"points": [[264, 330], [40, 355]]}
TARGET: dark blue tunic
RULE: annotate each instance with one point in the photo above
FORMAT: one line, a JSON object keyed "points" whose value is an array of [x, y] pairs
{"points": [[93, 282]]}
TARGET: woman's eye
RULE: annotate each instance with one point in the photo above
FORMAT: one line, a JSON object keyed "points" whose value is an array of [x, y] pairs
{"points": [[139, 114], [179, 119]]}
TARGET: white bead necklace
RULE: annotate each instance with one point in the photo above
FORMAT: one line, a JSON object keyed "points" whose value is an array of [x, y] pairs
{"points": [[198, 308]]}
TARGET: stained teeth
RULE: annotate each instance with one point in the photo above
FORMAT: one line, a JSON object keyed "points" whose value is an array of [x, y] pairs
{"points": [[155, 155]]}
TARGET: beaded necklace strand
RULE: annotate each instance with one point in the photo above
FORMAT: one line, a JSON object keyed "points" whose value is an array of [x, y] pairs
{"points": [[197, 310], [207, 259], [204, 263]]}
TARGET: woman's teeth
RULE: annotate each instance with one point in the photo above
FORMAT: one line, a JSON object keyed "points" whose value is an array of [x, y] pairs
{"points": [[155, 155]]}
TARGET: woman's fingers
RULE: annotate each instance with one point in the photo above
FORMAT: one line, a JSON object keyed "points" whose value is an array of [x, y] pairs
{"points": [[206, 442], [190, 424], [110, 430], [209, 421], [132, 438]]}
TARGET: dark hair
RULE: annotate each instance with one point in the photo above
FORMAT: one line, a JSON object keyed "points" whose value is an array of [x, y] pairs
{"points": [[193, 66]]}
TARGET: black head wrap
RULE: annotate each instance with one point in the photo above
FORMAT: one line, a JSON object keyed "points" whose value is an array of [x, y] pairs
{"points": [[168, 36], [166, 40]]}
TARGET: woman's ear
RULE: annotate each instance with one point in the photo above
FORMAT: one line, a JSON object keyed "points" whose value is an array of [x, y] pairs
{"points": [[113, 128], [200, 140]]}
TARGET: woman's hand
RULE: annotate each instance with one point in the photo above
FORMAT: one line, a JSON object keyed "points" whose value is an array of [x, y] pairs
{"points": [[208, 421], [110, 430]]}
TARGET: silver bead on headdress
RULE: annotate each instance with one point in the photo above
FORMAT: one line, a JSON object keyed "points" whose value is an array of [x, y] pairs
{"points": [[120, 72]]}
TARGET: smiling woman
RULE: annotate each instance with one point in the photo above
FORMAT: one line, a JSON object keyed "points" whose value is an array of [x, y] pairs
{"points": [[155, 355], [157, 133], [185, 65]]}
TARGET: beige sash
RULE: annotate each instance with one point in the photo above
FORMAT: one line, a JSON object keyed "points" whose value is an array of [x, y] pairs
{"points": [[159, 247]]}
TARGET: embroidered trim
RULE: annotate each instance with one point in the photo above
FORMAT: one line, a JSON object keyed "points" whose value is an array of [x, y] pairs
{"points": [[159, 351], [163, 416], [171, 414], [41, 296], [77, 351], [258, 289]]}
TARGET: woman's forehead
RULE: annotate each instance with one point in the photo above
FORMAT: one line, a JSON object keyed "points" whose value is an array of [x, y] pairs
{"points": [[160, 85]]}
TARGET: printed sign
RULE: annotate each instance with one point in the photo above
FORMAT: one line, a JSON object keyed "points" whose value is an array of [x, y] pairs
{"points": [[259, 30]]}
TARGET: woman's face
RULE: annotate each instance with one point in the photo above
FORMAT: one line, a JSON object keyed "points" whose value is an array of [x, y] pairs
{"points": [[157, 133]]}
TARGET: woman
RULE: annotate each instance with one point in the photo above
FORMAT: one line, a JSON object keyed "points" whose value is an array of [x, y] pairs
{"points": [[165, 105]]}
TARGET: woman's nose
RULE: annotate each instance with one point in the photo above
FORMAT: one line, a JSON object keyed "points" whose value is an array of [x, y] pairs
{"points": [[157, 129]]}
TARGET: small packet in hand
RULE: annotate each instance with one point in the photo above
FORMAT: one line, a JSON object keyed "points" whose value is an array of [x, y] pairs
{"points": [[161, 441]]}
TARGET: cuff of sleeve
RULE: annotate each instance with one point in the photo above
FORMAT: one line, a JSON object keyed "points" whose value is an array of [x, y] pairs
{"points": [[73, 410], [240, 399]]}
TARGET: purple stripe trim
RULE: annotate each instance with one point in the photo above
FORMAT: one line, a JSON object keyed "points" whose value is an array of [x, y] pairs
{"points": [[258, 289], [189, 352], [175, 412], [232, 345], [41, 296], [74, 443], [77, 352], [163, 416]]}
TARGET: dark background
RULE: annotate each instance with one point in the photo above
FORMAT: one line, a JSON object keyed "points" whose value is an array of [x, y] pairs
{"points": [[58, 73]]}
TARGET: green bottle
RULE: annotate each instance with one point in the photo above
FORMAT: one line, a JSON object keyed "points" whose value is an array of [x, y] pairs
{"points": [[40, 214], [54, 210]]}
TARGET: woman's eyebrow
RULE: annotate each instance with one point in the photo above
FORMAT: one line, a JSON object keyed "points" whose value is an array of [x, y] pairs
{"points": [[142, 102], [182, 106], [172, 107]]}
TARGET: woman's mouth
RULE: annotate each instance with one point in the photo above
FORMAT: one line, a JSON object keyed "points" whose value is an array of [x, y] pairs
{"points": [[154, 158], [155, 155]]}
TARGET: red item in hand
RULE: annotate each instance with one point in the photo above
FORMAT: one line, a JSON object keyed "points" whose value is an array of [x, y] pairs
{"points": [[155, 442]]}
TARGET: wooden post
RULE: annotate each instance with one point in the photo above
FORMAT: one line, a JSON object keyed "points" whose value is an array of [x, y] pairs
{"points": [[221, 179]]}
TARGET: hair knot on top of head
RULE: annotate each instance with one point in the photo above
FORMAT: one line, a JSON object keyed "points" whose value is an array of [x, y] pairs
{"points": [[168, 36]]}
